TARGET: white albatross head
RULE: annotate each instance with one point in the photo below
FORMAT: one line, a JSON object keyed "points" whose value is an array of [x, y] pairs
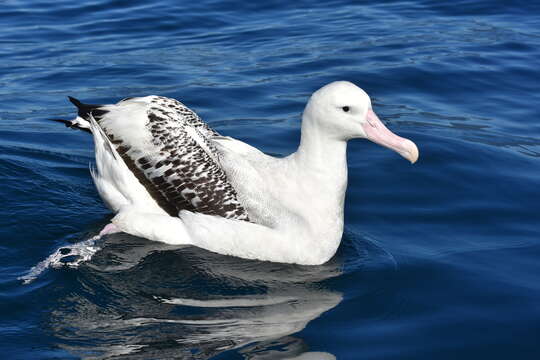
{"points": [[343, 111]]}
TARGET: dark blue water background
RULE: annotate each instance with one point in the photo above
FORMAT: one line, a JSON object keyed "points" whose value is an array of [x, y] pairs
{"points": [[439, 260]]}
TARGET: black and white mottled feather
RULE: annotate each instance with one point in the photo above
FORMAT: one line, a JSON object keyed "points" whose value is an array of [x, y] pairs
{"points": [[166, 146]]}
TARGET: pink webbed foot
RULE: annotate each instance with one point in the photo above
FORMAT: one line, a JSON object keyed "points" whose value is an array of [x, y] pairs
{"points": [[109, 229]]}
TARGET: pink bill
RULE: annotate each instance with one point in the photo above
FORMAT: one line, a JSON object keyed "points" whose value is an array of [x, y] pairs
{"points": [[378, 133]]}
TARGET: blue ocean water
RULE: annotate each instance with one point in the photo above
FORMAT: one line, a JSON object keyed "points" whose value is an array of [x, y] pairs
{"points": [[439, 260]]}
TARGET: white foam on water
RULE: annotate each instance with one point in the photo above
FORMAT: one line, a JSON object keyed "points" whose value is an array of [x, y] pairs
{"points": [[81, 252]]}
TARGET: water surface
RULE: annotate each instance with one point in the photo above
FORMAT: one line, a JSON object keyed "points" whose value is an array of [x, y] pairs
{"points": [[439, 260]]}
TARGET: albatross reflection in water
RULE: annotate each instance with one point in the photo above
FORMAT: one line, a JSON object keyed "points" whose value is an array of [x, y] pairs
{"points": [[138, 299]]}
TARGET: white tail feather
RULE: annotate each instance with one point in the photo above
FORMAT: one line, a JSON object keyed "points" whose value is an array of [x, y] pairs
{"points": [[116, 184]]}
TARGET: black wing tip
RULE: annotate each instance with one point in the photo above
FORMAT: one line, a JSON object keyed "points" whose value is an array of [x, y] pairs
{"points": [[74, 101], [69, 124], [85, 110], [65, 122]]}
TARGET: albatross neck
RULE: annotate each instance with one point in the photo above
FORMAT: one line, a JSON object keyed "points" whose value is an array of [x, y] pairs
{"points": [[322, 153], [321, 161]]}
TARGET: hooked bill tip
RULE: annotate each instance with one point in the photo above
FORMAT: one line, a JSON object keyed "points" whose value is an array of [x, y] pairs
{"points": [[412, 152]]}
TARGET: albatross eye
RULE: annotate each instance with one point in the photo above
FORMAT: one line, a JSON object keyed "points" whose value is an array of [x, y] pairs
{"points": [[345, 108]]}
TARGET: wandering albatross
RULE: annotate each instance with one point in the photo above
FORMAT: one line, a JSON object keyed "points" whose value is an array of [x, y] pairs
{"points": [[169, 177]]}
